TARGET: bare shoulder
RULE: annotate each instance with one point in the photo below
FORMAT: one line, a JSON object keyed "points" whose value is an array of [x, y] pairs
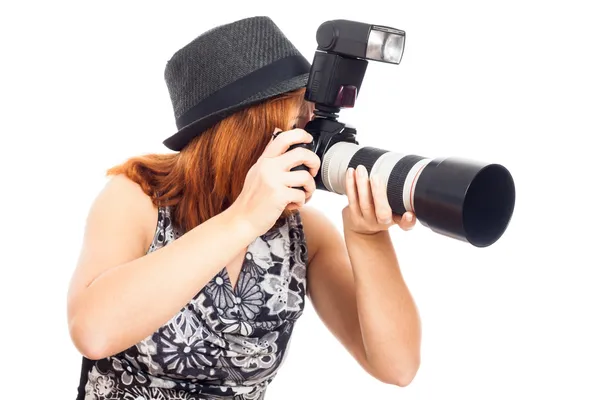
{"points": [[120, 190], [319, 230], [122, 204]]}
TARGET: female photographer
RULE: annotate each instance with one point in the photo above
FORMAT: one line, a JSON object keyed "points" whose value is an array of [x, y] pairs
{"points": [[196, 264]]}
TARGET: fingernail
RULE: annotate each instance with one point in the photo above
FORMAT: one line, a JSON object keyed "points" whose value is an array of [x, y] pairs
{"points": [[349, 172], [362, 171], [409, 217]]}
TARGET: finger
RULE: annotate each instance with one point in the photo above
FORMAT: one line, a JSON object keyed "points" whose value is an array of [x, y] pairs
{"points": [[299, 156], [274, 135], [300, 178], [365, 198], [295, 197], [406, 222], [284, 140], [351, 192], [383, 211]]}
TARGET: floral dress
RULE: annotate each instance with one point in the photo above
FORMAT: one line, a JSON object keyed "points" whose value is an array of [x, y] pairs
{"points": [[227, 342]]}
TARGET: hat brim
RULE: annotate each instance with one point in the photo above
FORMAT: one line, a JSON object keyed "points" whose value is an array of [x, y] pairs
{"points": [[179, 140]]}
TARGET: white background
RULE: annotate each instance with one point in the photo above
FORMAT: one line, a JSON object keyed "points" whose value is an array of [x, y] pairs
{"points": [[514, 82]]}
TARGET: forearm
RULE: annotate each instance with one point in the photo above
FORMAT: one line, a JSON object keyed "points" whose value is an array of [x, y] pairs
{"points": [[129, 302], [389, 320]]}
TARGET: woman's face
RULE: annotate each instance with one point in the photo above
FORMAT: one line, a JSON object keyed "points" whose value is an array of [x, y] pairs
{"points": [[305, 114]]}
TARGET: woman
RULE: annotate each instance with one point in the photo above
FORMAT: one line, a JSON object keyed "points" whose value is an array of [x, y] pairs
{"points": [[195, 264]]}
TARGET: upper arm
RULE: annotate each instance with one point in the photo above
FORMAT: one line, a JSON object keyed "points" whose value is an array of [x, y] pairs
{"points": [[330, 282], [117, 229]]}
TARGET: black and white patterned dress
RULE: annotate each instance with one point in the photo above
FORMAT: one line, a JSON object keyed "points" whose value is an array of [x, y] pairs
{"points": [[226, 343]]}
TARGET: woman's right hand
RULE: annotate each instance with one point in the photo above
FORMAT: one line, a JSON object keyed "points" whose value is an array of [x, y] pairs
{"points": [[269, 186]]}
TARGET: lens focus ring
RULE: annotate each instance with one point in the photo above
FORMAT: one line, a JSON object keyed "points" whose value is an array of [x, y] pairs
{"points": [[397, 180]]}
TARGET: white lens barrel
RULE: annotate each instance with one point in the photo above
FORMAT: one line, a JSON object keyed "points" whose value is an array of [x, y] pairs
{"points": [[399, 172], [335, 164], [408, 194]]}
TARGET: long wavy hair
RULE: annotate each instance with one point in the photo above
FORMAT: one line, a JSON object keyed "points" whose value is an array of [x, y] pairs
{"points": [[207, 175]]}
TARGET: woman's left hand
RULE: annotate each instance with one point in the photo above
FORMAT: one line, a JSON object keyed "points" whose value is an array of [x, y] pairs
{"points": [[368, 210]]}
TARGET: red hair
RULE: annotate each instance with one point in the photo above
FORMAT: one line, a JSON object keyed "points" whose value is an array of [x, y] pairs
{"points": [[206, 176]]}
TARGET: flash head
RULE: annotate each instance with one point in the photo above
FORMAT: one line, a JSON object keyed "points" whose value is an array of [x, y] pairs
{"points": [[361, 40], [344, 49]]}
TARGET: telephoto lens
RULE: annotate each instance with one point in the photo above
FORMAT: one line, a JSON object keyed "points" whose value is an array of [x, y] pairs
{"points": [[458, 198]]}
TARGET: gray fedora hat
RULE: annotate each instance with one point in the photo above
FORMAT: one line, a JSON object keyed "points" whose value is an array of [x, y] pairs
{"points": [[229, 68]]}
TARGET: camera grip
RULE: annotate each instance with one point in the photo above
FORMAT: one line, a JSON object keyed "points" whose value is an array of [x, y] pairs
{"points": [[301, 167]]}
